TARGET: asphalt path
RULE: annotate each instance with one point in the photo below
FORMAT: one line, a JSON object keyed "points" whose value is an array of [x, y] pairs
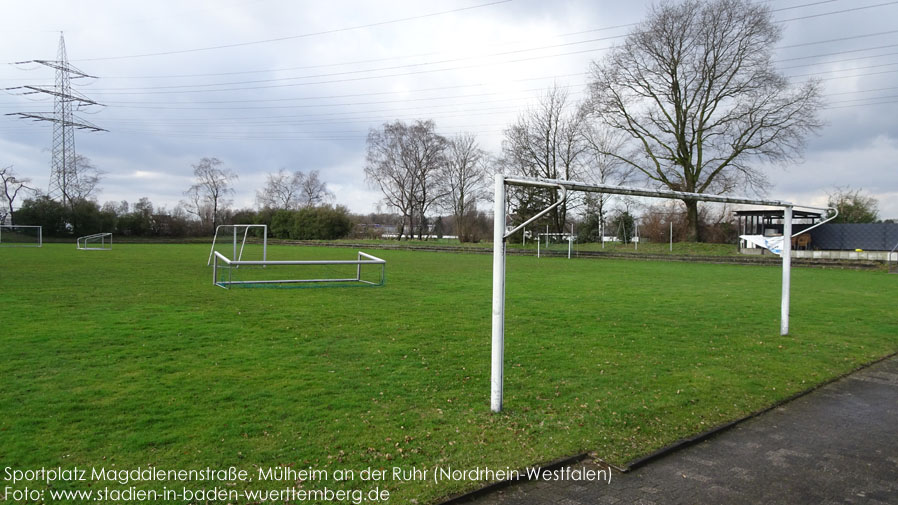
{"points": [[835, 445]]}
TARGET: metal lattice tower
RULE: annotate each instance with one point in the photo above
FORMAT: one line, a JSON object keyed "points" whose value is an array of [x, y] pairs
{"points": [[63, 168]]}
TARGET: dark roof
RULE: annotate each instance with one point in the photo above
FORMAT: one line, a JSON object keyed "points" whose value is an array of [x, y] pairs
{"points": [[778, 214]]}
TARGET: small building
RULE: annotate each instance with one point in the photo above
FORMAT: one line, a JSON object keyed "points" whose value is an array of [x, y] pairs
{"points": [[830, 240]]}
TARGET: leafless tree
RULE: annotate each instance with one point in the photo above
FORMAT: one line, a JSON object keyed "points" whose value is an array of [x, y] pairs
{"points": [[545, 142], [82, 180], [281, 191], [599, 167], [404, 162], [696, 91], [12, 185], [465, 180], [207, 197], [284, 190], [313, 191]]}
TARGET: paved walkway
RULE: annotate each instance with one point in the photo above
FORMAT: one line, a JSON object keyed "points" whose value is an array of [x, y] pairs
{"points": [[836, 445]]}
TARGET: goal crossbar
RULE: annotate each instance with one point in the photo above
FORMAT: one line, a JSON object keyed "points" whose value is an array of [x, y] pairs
{"points": [[565, 186], [362, 259]]}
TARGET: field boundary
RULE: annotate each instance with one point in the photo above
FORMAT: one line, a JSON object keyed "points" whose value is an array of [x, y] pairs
{"points": [[727, 260]]}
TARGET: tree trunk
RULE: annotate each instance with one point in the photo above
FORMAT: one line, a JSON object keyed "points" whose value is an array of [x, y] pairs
{"points": [[692, 224]]}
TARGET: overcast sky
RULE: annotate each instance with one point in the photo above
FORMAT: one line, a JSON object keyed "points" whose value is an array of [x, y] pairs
{"points": [[270, 84]]}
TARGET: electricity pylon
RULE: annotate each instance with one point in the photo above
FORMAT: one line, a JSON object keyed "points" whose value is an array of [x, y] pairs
{"points": [[63, 168]]}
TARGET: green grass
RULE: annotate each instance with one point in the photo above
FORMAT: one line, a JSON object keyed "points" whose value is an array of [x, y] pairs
{"points": [[133, 358]]}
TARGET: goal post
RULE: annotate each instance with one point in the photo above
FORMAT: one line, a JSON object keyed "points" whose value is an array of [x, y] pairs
{"points": [[500, 235], [234, 237], [21, 235], [95, 242]]}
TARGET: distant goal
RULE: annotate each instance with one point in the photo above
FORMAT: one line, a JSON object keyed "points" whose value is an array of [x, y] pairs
{"points": [[95, 242], [16, 235]]}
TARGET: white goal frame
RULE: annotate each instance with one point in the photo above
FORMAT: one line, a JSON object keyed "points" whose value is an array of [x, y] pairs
{"points": [[500, 235], [81, 243], [362, 259], [40, 235], [238, 255]]}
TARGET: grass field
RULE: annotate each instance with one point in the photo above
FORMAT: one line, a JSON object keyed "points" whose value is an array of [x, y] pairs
{"points": [[133, 358]]}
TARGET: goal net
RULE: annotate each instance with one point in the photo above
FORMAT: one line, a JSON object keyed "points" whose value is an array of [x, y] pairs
{"points": [[14, 235], [95, 242], [240, 242]]}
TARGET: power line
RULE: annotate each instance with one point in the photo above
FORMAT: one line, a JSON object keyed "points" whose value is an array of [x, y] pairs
{"points": [[301, 36], [841, 39], [837, 53], [449, 60], [402, 74], [842, 70], [351, 72], [843, 11]]}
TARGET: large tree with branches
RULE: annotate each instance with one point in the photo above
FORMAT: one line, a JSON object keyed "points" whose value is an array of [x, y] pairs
{"points": [[405, 162], [695, 89]]}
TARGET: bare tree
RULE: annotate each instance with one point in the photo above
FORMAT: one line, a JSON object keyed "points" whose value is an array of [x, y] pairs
{"points": [[313, 191], [545, 142], [404, 161], [12, 185], [208, 195], [465, 181], [386, 169], [281, 191], [599, 167], [284, 190], [696, 91], [82, 180]]}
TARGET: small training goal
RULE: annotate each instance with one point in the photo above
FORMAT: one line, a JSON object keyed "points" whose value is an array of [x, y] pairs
{"points": [[365, 270], [17, 235], [95, 242]]}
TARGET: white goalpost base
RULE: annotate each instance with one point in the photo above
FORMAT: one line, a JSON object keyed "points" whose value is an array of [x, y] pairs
{"points": [[235, 234], [21, 235], [564, 186], [95, 242]]}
